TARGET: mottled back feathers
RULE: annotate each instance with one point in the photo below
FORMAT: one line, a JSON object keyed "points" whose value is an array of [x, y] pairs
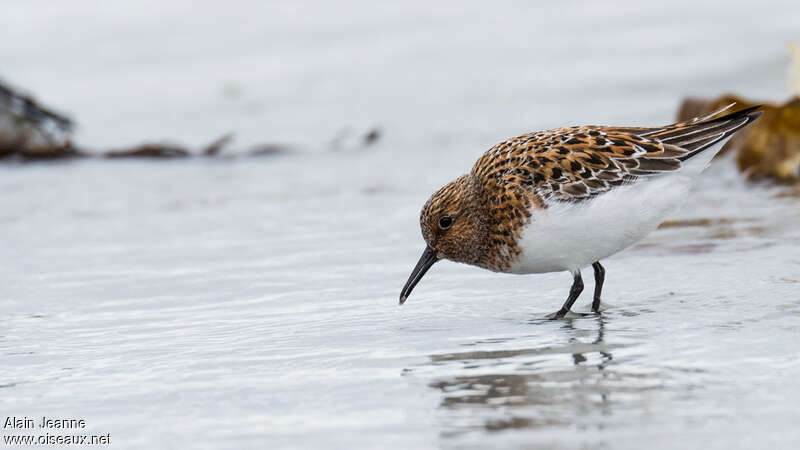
{"points": [[578, 163]]}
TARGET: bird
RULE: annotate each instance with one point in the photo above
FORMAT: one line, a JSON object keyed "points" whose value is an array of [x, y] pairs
{"points": [[563, 199]]}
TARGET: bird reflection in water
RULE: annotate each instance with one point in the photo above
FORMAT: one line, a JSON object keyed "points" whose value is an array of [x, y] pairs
{"points": [[547, 386]]}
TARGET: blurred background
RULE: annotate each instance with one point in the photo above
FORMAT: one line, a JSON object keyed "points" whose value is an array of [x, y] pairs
{"points": [[242, 291]]}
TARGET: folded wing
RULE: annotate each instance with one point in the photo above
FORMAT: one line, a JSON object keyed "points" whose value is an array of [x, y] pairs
{"points": [[578, 163]]}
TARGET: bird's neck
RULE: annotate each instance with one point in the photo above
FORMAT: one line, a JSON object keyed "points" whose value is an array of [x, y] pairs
{"points": [[507, 211]]}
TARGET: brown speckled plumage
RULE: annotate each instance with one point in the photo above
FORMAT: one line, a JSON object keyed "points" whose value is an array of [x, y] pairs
{"points": [[552, 200], [491, 205]]}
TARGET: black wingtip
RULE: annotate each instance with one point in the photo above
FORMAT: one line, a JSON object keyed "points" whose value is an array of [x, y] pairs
{"points": [[715, 130], [752, 113]]}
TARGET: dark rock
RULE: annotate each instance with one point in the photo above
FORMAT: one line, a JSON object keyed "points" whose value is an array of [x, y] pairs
{"points": [[149, 151], [269, 149], [31, 131], [372, 137], [213, 148]]}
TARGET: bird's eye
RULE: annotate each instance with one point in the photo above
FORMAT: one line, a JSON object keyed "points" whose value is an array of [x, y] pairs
{"points": [[445, 222]]}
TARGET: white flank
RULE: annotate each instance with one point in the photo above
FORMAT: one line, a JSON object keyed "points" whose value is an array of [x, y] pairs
{"points": [[570, 236]]}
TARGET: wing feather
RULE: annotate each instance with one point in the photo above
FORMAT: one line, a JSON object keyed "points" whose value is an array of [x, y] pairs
{"points": [[579, 163]]}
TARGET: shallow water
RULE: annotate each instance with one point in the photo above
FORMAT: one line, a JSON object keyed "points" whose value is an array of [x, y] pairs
{"points": [[253, 302]]}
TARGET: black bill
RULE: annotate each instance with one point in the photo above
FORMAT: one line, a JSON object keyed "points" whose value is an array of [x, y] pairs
{"points": [[427, 259]]}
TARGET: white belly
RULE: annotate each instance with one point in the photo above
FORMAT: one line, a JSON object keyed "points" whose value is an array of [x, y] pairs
{"points": [[571, 236]]}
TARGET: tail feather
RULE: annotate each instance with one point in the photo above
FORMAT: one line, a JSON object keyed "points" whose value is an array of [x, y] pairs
{"points": [[695, 136]]}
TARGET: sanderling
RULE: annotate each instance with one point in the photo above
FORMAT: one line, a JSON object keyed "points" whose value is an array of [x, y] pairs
{"points": [[566, 198]]}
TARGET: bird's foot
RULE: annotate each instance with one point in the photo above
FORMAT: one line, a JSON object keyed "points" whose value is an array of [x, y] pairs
{"points": [[565, 314], [598, 306]]}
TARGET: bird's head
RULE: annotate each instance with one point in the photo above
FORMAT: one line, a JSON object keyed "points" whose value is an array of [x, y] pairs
{"points": [[455, 226]]}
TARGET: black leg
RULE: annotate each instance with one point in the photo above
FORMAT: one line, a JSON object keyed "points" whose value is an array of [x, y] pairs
{"points": [[599, 277], [574, 292]]}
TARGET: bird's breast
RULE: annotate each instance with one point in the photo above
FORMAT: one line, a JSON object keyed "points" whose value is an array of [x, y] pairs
{"points": [[569, 236]]}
